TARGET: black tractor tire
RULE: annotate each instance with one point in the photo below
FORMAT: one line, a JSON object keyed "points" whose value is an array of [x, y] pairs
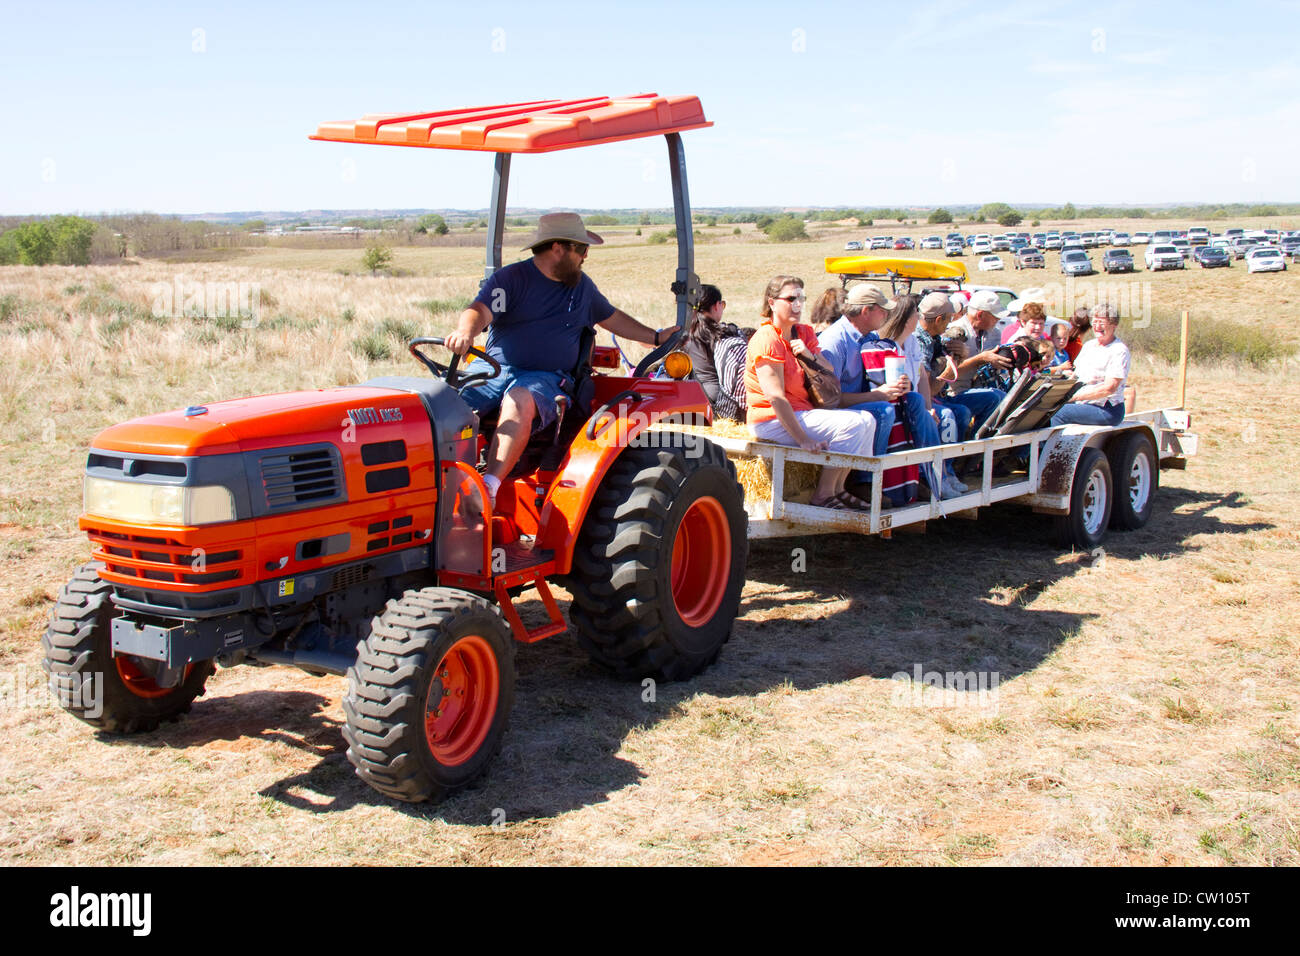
{"points": [[1091, 498], [114, 693], [430, 695], [660, 560], [1135, 466]]}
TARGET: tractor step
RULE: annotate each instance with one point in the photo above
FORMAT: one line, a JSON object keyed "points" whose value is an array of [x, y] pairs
{"points": [[515, 556]]}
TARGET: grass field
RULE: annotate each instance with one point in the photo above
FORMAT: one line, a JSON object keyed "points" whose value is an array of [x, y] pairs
{"points": [[1146, 705]]}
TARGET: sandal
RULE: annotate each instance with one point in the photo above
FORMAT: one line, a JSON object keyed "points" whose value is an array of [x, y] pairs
{"points": [[853, 502], [834, 502]]}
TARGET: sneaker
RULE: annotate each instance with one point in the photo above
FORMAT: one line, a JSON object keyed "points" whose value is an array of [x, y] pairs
{"points": [[952, 488]]}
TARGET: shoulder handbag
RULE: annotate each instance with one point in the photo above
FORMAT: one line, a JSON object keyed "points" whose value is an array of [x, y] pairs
{"points": [[823, 387]]}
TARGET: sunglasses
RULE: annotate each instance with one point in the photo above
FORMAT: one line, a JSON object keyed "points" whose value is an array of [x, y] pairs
{"points": [[791, 298], [579, 247]]}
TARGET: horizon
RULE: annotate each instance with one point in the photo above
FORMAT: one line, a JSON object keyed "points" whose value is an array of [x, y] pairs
{"points": [[186, 107]]}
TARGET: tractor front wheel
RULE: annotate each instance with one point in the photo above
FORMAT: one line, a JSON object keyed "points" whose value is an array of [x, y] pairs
{"points": [[114, 693], [430, 694], [660, 561]]}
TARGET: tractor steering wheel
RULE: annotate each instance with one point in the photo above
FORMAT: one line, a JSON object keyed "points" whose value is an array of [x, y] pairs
{"points": [[449, 373]]}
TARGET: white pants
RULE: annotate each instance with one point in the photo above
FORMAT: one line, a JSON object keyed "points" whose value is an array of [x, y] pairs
{"points": [[845, 431]]}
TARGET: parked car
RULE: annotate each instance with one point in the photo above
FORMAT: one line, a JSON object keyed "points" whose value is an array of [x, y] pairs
{"points": [[1265, 259], [1040, 240], [1117, 260], [904, 243], [991, 264], [1089, 240], [979, 247], [1212, 257], [853, 246], [1141, 238], [1164, 255], [1052, 243], [1198, 236], [1027, 257], [1242, 245], [1001, 244], [953, 248], [1182, 245], [1290, 245], [1072, 242], [931, 242], [1075, 262], [1121, 239], [880, 242]]}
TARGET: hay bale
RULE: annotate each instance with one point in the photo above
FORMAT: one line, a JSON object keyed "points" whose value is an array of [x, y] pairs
{"points": [[754, 473]]}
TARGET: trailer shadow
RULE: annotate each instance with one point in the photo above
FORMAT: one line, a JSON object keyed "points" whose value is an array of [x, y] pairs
{"points": [[957, 599]]}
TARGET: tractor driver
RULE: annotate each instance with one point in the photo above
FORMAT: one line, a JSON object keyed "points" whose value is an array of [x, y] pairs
{"points": [[535, 312]]}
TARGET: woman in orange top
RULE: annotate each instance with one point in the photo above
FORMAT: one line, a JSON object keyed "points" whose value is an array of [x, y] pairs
{"points": [[778, 406]]}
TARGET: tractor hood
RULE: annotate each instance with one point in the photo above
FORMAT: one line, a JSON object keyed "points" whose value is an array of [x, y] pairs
{"points": [[333, 415]]}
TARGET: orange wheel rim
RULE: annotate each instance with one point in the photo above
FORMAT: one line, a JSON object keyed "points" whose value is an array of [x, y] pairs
{"points": [[462, 701], [141, 684], [701, 562]]}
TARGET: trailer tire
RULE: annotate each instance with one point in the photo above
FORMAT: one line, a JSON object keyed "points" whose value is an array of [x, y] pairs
{"points": [[1091, 499], [429, 646], [1136, 470], [660, 561], [115, 693]]}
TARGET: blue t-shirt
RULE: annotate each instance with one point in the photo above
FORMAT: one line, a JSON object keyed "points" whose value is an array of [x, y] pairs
{"points": [[538, 322], [842, 344]]}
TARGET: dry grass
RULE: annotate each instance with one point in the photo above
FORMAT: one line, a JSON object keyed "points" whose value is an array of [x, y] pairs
{"points": [[1145, 712]]}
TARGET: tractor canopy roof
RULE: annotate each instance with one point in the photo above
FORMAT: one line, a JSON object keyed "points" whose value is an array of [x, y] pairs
{"points": [[538, 126]]}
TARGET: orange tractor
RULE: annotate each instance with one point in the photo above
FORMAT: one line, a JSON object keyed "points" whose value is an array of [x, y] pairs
{"points": [[348, 530]]}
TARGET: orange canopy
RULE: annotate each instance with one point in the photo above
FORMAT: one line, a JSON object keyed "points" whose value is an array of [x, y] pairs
{"points": [[539, 126]]}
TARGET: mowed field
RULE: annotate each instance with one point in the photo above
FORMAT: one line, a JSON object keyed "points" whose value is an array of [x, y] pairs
{"points": [[1145, 711]]}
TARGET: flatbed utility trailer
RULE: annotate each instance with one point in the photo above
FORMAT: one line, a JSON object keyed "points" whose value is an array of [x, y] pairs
{"points": [[1072, 474]]}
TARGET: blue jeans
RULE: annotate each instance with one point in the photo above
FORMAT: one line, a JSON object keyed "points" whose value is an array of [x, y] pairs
{"points": [[960, 412], [1083, 413], [979, 401], [543, 387]]}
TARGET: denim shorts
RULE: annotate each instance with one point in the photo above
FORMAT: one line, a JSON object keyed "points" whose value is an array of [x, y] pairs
{"points": [[544, 387]]}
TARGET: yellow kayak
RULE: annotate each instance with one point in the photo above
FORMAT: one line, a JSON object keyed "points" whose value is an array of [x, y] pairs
{"points": [[895, 267]]}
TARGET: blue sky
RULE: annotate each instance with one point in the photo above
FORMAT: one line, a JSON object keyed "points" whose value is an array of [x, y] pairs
{"points": [[183, 107]]}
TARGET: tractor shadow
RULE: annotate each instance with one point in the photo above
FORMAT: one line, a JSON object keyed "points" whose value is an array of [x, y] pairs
{"points": [[959, 598]]}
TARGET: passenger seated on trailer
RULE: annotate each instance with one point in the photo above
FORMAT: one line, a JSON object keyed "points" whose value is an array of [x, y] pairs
{"points": [[972, 342], [536, 311], [779, 409], [828, 307], [717, 350], [1102, 366]]}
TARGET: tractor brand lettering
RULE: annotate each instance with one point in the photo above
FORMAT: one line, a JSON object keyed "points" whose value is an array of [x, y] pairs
{"points": [[374, 416], [75, 909], [638, 426]]}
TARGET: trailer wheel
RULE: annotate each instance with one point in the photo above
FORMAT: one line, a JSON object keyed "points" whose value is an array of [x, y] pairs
{"points": [[1136, 471], [115, 693], [1091, 499], [660, 561], [430, 694]]}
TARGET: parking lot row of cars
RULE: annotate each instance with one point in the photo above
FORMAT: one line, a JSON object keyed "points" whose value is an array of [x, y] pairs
{"points": [[1263, 250]]}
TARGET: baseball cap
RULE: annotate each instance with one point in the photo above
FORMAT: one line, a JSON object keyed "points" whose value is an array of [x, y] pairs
{"points": [[864, 293], [985, 300], [936, 304], [959, 300]]}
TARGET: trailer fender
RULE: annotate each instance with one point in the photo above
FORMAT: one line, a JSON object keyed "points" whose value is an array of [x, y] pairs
{"points": [[1060, 459], [624, 411]]}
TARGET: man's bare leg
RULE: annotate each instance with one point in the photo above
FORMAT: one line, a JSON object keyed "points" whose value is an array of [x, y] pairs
{"points": [[514, 427]]}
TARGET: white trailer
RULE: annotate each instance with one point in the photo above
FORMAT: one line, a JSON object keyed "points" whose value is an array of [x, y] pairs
{"points": [[1090, 478]]}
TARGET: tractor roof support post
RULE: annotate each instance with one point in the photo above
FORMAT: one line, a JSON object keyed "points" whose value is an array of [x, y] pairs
{"points": [[497, 212], [686, 286]]}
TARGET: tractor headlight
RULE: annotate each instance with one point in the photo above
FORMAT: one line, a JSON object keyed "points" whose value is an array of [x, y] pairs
{"points": [[143, 503]]}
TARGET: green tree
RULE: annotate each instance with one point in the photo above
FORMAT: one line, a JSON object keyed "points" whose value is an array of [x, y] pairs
{"points": [[1011, 218], [9, 254], [254, 225], [431, 222], [35, 244], [786, 229], [940, 215], [376, 257], [72, 238], [1068, 211]]}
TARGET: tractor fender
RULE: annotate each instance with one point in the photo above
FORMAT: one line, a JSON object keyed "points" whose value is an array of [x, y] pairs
{"points": [[637, 404], [1060, 459]]}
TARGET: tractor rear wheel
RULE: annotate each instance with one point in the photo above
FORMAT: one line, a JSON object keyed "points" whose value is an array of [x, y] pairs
{"points": [[112, 692], [660, 561], [430, 694]]}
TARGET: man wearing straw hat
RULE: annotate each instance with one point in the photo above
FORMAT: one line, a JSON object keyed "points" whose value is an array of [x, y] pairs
{"points": [[535, 312]]}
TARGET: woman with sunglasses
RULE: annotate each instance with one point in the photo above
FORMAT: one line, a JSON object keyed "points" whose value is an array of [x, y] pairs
{"points": [[779, 408]]}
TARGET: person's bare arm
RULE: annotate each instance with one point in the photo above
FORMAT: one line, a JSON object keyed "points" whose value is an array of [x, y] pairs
{"points": [[473, 320], [624, 326], [1093, 393], [771, 380], [886, 393]]}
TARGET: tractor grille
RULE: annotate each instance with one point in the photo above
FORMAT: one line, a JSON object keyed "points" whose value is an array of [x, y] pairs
{"points": [[299, 478], [163, 560]]}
